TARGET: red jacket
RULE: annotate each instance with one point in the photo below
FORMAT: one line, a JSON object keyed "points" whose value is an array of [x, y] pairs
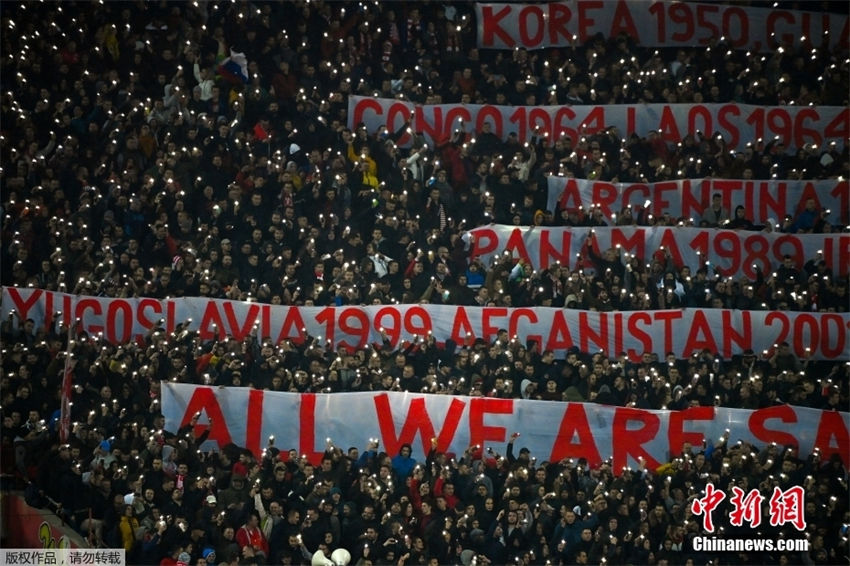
{"points": [[254, 537]]}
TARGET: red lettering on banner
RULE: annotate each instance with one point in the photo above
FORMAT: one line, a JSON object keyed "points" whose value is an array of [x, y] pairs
{"points": [[559, 334], [203, 401], [699, 111], [485, 241], [539, 118], [635, 188], [413, 313], [844, 43], [416, 420], [516, 315], [681, 14], [80, 312], [48, 309], [841, 191], [667, 318], [752, 193], [455, 114], [559, 253], [657, 10], [700, 336], [538, 24], [394, 328], [805, 325], [667, 127], [587, 333], [362, 106], [461, 327], [490, 418], [169, 316], [516, 244], [435, 131], [604, 195], [559, 17], [733, 340], [241, 332], [630, 119], [636, 437], [491, 26], [112, 322], [831, 426], [360, 331], [518, 117], [327, 317], [669, 242], [594, 121], [479, 407], [634, 244], [784, 413], [779, 122], [489, 330], [571, 197], [833, 330], [730, 127], [691, 205], [726, 187], [839, 128], [772, 18], [156, 309], [756, 120], [806, 29], [307, 428], [399, 113], [743, 28], [783, 323], [802, 134], [559, 128], [618, 333], [291, 328], [574, 425], [842, 253], [639, 334], [677, 435], [495, 115], [622, 21], [23, 306], [212, 326], [660, 205], [254, 421], [772, 203], [67, 314], [585, 22], [809, 192]]}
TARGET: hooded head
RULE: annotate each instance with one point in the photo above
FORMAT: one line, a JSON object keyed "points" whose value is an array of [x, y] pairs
{"points": [[526, 388]]}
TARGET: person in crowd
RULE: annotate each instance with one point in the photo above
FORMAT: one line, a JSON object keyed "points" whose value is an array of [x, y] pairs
{"points": [[125, 175]]}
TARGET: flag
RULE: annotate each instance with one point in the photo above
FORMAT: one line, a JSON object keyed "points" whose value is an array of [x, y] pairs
{"points": [[67, 385], [234, 69]]}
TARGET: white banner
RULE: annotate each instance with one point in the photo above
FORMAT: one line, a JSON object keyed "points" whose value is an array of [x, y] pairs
{"points": [[687, 198], [737, 123], [731, 253], [683, 332], [552, 431], [655, 24]]}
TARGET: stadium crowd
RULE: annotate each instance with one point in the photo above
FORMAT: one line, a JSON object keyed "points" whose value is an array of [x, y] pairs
{"points": [[136, 162]]}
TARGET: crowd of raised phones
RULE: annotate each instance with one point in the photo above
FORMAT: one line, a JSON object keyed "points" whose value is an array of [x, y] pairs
{"points": [[134, 165]]}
